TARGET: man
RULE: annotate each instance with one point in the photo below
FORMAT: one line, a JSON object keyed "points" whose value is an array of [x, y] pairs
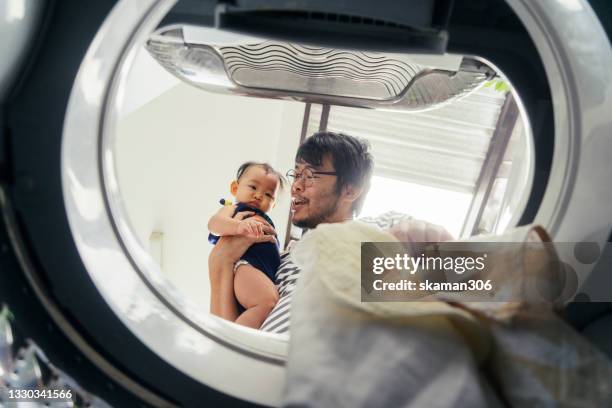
{"points": [[431, 362], [330, 182]]}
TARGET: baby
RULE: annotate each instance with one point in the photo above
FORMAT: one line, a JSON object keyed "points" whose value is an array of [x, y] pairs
{"points": [[255, 190]]}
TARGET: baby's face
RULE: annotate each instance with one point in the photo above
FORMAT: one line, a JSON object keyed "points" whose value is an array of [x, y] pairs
{"points": [[257, 188]]}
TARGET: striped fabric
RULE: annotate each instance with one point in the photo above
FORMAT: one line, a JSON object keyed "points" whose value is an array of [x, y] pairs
{"points": [[286, 277], [287, 274]]}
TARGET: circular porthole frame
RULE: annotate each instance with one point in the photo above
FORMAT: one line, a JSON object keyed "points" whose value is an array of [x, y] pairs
{"points": [[144, 301], [582, 143]]}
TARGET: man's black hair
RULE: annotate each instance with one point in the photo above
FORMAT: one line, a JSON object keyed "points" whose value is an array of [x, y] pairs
{"points": [[268, 169], [350, 157]]}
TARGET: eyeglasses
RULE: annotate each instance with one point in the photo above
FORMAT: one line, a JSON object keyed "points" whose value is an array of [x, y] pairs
{"points": [[307, 176]]}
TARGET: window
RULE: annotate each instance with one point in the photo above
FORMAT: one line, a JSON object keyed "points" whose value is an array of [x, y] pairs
{"points": [[463, 165], [436, 205]]}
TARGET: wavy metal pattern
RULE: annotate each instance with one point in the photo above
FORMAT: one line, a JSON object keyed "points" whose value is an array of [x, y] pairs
{"points": [[436, 88], [302, 68], [273, 69]]}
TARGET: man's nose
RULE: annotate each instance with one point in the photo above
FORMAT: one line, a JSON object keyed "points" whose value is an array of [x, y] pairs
{"points": [[297, 186]]}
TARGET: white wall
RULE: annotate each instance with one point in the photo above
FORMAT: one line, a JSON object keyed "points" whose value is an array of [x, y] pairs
{"points": [[147, 80], [177, 155]]}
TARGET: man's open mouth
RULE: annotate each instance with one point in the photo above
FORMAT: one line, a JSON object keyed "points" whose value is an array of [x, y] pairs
{"points": [[297, 203]]}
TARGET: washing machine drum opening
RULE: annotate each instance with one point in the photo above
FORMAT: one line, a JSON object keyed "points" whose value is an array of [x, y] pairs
{"points": [[78, 279]]}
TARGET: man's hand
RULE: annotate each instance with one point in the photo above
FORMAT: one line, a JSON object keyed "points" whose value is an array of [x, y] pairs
{"points": [[250, 228], [229, 249], [252, 225], [414, 232]]}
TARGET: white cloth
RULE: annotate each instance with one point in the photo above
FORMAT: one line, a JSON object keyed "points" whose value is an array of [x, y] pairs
{"points": [[279, 319], [432, 354]]}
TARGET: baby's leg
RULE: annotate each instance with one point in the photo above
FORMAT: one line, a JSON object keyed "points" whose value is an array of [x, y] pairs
{"points": [[256, 293]]}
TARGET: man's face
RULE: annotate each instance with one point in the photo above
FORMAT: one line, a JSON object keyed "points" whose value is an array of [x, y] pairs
{"points": [[312, 205]]}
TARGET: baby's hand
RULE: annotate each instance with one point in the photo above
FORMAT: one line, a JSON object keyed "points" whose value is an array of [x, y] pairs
{"points": [[250, 228]]}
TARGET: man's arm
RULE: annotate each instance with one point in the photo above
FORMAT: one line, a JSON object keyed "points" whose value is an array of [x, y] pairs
{"points": [[221, 275], [221, 263]]}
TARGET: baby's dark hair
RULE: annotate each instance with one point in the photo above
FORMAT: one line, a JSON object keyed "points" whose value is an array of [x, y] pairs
{"points": [[268, 169]]}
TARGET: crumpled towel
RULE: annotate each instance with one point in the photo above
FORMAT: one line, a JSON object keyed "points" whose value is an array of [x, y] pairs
{"points": [[424, 354]]}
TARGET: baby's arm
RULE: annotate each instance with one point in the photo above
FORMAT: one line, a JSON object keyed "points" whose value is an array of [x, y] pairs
{"points": [[223, 224]]}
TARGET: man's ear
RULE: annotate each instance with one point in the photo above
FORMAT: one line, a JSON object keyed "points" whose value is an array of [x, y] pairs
{"points": [[234, 187], [352, 192]]}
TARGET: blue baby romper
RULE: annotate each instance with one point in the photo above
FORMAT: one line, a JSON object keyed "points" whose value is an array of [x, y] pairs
{"points": [[264, 256]]}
